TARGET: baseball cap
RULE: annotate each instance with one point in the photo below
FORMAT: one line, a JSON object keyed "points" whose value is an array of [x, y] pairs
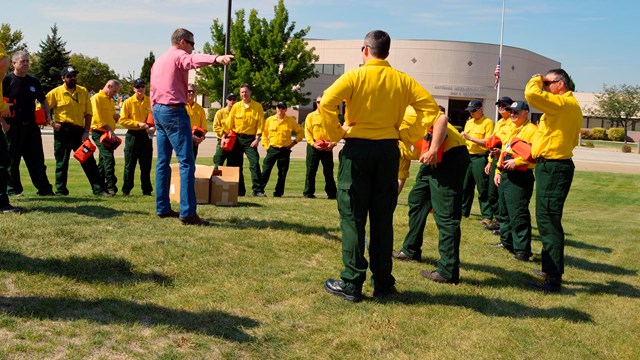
{"points": [[281, 105], [231, 96], [474, 105], [139, 82], [68, 70], [519, 105], [504, 100]]}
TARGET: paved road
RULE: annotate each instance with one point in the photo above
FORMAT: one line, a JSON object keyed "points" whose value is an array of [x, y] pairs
{"points": [[585, 159]]}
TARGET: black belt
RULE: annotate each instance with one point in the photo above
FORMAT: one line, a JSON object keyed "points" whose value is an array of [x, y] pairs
{"points": [[357, 141], [245, 136]]}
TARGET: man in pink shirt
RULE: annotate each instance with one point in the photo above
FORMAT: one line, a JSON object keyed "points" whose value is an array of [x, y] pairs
{"points": [[169, 80]]}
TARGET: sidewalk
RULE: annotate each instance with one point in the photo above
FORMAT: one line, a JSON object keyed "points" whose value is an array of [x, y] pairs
{"points": [[585, 159]]}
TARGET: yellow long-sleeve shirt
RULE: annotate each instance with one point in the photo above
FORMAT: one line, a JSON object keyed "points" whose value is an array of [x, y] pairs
{"points": [[376, 96], [479, 129], [502, 129], [248, 120], [278, 132], [197, 116], [314, 128], [420, 128], [103, 111], [527, 132], [560, 124], [134, 111], [220, 121], [70, 107]]}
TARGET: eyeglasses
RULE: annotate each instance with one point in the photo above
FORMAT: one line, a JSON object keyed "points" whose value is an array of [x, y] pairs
{"points": [[516, 112], [547, 83], [193, 44], [191, 91], [141, 86]]}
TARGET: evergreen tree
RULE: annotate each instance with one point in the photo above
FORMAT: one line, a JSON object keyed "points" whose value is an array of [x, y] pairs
{"points": [[270, 56], [145, 73], [51, 59]]}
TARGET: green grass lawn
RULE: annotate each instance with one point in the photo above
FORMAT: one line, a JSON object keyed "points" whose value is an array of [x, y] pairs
{"points": [[92, 277]]}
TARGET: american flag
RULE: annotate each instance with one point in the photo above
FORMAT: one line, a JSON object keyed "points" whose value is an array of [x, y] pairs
{"points": [[497, 74]]}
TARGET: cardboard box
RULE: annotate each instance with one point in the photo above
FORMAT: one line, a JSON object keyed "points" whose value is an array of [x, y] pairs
{"points": [[210, 189], [224, 187]]}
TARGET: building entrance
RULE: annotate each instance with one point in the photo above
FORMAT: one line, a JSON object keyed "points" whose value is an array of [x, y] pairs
{"points": [[457, 114]]}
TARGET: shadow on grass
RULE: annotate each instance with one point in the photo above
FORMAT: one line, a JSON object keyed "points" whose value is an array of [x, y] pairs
{"points": [[248, 223], [65, 199], [115, 311], [587, 265], [95, 211], [492, 307], [580, 245], [97, 269], [517, 279]]}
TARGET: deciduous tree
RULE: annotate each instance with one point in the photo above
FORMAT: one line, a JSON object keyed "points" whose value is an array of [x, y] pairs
{"points": [[620, 104], [270, 55]]}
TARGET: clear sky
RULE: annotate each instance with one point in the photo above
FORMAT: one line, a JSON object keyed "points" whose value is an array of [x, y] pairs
{"points": [[596, 41]]}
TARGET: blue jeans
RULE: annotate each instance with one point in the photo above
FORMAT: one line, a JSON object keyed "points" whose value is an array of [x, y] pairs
{"points": [[173, 132]]}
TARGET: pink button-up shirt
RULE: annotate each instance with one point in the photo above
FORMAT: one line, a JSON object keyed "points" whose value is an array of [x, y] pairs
{"points": [[170, 75]]}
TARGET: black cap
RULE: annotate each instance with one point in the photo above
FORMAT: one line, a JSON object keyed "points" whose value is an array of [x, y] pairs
{"points": [[138, 82], [68, 70], [281, 105], [504, 100], [231, 96], [519, 105], [474, 105]]}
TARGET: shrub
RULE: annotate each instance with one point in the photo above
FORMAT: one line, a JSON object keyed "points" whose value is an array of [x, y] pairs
{"points": [[588, 144], [626, 148], [585, 134], [598, 134], [616, 134]]}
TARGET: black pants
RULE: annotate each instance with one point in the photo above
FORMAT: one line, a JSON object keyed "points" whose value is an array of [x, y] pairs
{"points": [[25, 141]]}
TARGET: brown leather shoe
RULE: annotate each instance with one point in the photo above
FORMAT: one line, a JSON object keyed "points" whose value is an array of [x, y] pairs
{"points": [[193, 220], [170, 214], [399, 255], [435, 276]]}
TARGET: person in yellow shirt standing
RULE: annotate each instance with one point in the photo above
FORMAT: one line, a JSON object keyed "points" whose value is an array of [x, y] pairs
{"points": [[476, 132], [198, 119], [514, 179], [246, 119], [138, 143], [104, 121], [276, 138], [219, 122], [321, 152], [438, 186], [501, 130], [72, 114], [5, 206], [376, 97], [558, 133]]}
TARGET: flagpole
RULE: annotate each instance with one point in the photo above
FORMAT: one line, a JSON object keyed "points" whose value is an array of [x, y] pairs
{"points": [[500, 61]]}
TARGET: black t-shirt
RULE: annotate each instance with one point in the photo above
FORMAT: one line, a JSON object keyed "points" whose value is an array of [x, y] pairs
{"points": [[25, 90]]}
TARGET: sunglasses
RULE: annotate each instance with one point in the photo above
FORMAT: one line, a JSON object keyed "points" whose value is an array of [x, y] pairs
{"points": [[141, 86], [547, 83], [191, 91], [193, 44]]}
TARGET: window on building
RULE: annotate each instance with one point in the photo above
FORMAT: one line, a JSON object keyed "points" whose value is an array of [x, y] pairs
{"points": [[330, 69]]}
